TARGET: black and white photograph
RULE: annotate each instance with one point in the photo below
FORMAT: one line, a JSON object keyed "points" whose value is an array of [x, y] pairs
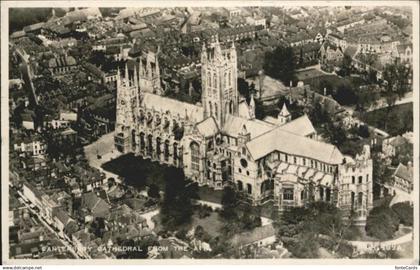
{"points": [[210, 131]]}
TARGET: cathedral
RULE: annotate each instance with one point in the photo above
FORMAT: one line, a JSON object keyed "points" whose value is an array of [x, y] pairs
{"points": [[219, 141]]}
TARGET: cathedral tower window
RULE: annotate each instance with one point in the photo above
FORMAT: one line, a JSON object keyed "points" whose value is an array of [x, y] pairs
{"points": [[133, 138], [215, 81], [166, 150], [249, 188], [360, 199], [240, 186], [195, 156], [149, 144], [209, 79], [158, 146], [142, 142]]}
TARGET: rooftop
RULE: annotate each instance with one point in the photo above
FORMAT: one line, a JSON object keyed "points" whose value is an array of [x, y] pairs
{"points": [[404, 172], [290, 143]]}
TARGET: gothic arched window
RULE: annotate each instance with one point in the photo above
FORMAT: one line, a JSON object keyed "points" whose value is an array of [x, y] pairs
{"points": [[216, 112], [210, 108], [195, 156], [214, 80], [209, 79], [360, 199], [240, 186]]}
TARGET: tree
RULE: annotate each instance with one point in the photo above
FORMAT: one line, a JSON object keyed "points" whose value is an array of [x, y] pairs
{"points": [[318, 115], [243, 88], [229, 201], [396, 76], [176, 207], [364, 131], [98, 227], [335, 133], [405, 212], [346, 65], [153, 191], [300, 227], [381, 174], [382, 222], [345, 95], [238, 212], [366, 97], [280, 64]]}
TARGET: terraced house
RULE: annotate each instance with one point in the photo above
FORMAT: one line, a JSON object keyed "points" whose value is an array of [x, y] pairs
{"points": [[219, 141]]}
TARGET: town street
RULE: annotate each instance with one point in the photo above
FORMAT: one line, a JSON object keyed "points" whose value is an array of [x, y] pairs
{"points": [[66, 243]]}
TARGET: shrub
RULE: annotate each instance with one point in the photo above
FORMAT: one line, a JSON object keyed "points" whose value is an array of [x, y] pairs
{"points": [[204, 211], [382, 223], [153, 191], [405, 212], [181, 234]]}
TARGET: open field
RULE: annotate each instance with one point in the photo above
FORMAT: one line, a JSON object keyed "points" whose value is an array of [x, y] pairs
{"points": [[395, 120]]}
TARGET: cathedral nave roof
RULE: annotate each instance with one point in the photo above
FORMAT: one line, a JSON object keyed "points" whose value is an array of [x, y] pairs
{"points": [[208, 127], [175, 107]]}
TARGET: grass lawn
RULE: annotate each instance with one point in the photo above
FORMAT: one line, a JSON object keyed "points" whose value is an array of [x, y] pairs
{"points": [[308, 74], [333, 81], [208, 194], [399, 119], [211, 224]]}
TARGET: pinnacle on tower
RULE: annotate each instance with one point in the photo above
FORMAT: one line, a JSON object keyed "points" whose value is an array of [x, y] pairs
{"points": [[127, 81], [217, 49], [252, 102], [136, 82], [140, 67], [284, 111], [118, 76]]}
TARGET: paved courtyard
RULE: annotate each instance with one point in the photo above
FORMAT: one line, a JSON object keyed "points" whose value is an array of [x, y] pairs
{"points": [[103, 147]]}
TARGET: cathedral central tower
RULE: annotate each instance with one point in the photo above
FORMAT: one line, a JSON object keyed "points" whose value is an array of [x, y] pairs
{"points": [[219, 81]]}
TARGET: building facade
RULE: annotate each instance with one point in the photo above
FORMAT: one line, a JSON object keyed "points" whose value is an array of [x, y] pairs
{"points": [[219, 142]]}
